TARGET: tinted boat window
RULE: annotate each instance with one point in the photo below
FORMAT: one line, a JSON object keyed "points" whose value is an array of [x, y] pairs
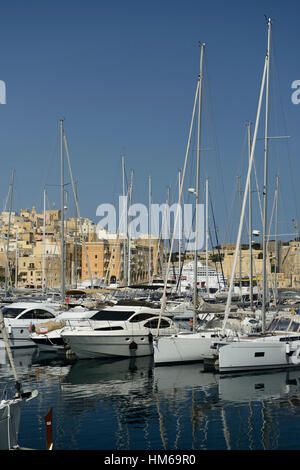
{"points": [[283, 324], [154, 323], [9, 312], [112, 315], [294, 326], [37, 314], [273, 324], [141, 317]]}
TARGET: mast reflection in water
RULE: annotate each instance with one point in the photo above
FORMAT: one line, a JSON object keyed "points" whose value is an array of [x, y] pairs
{"points": [[132, 405]]}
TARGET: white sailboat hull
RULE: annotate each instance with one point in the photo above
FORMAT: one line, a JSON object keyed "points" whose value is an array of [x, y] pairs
{"points": [[10, 412], [265, 353], [184, 347]]}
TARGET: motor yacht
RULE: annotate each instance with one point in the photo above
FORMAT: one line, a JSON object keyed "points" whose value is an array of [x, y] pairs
{"points": [[118, 331], [21, 317]]}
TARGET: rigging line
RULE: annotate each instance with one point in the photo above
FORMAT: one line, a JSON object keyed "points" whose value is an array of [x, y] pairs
{"points": [[285, 125], [163, 301], [51, 157], [232, 211], [258, 191], [216, 234], [216, 140]]}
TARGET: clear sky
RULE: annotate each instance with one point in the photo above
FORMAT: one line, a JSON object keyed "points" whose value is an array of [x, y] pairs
{"points": [[123, 75]]}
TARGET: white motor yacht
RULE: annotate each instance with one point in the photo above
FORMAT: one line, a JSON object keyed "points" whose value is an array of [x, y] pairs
{"points": [[47, 336], [19, 318], [118, 331]]}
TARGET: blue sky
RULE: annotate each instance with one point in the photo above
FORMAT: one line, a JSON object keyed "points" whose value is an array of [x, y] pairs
{"points": [[123, 75]]}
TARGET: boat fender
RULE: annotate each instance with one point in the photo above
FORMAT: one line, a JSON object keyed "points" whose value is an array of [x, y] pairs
{"points": [[287, 348], [296, 357], [133, 345], [150, 336]]}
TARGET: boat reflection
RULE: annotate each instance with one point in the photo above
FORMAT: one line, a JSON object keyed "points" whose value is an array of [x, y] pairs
{"points": [[251, 387]]}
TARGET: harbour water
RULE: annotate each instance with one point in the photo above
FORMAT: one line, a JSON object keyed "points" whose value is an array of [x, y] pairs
{"points": [[130, 405]]}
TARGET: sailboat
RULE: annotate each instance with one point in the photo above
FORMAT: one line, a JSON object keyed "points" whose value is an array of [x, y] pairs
{"points": [[189, 346], [279, 345], [10, 407]]}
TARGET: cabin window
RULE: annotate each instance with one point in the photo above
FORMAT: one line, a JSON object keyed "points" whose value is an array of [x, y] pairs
{"points": [[141, 317], [109, 328], [273, 324], [37, 314], [11, 312], [259, 354], [294, 326], [112, 315], [283, 324], [154, 323]]}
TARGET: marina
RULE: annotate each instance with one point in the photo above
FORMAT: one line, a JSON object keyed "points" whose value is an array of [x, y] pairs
{"points": [[170, 326], [129, 405]]}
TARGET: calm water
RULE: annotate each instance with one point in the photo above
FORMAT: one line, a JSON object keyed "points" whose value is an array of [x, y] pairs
{"points": [[131, 405]]}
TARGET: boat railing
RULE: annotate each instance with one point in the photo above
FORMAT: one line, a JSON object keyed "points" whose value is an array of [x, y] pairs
{"points": [[107, 325]]}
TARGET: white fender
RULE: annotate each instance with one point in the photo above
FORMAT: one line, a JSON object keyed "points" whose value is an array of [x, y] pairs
{"points": [[296, 357]]}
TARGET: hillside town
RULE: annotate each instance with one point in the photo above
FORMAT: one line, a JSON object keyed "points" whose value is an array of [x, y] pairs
{"points": [[34, 248]]}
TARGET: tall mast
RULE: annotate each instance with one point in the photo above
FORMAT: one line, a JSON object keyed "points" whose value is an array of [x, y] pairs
{"points": [[198, 186], [276, 241], [250, 220], [16, 262], [75, 251], [129, 232], [238, 241], [62, 209], [240, 249], [207, 234], [149, 230], [124, 224], [265, 188], [179, 239], [44, 245], [8, 231]]}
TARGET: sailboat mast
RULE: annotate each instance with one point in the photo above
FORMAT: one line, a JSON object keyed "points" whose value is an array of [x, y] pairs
{"points": [[149, 230], [179, 240], [8, 231], [250, 221], [265, 188], [16, 261], [129, 232], [276, 241], [198, 186], [124, 224], [44, 245], [207, 234], [62, 208]]}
